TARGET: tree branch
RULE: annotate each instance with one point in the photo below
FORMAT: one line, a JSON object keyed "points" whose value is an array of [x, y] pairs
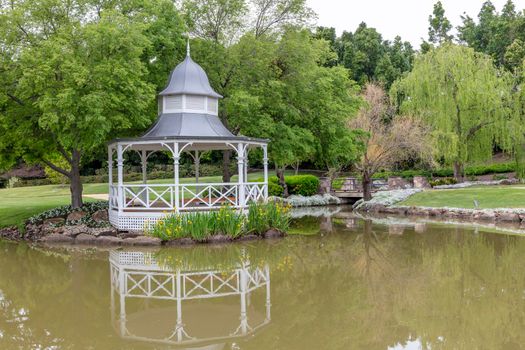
{"points": [[56, 168]]}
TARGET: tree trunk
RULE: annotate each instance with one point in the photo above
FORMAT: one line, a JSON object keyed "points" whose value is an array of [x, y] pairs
{"points": [[458, 171], [226, 160], [75, 182], [296, 169], [280, 176], [367, 186]]}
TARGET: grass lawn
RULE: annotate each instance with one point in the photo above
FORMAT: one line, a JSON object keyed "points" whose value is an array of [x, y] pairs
{"points": [[18, 204], [487, 197]]}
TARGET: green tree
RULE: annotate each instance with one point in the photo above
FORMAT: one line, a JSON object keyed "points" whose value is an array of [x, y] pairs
{"points": [[284, 92], [372, 59], [439, 25], [71, 79], [494, 32], [461, 95], [216, 20]]}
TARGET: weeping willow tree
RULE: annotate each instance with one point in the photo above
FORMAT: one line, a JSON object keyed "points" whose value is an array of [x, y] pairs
{"points": [[463, 98]]}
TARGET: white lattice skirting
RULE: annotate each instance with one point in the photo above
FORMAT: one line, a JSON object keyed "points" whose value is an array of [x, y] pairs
{"points": [[133, 221]]}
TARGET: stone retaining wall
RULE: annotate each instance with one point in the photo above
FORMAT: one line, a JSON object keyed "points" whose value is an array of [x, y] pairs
{"points": [[491, 215]]}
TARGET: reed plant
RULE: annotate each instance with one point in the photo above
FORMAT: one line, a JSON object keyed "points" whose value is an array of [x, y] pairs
{"points": [[227, 221], [230, 222]]}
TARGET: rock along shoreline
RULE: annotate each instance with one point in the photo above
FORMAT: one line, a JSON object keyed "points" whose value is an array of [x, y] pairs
{"points": [[71, 229], [385, 203]]}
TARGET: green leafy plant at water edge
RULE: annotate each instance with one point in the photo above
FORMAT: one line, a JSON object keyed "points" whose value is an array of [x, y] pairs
{"points": [[278, 216], [258, 222], [263, 216], [230, 222], [200, 226]]}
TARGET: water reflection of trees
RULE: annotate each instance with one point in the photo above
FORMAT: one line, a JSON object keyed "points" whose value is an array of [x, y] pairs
{"points": [[369, 289]]}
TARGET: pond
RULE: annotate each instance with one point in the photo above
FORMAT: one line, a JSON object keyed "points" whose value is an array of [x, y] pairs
{"points": [[347, 283]]}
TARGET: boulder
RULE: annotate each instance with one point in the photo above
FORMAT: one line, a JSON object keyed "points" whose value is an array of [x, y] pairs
{"points": [[54, 221], [76, 215], [100, 216], [130, 234], [485, 216], [507, 216], [144, 241], [272, 233], [219, 239], [398, 183], [74, 230], [57, 238], [180, 241], [12, 233], [108, 240], [85, 238], [248, 238], [104, 231], [421, 182], [435, 212]]}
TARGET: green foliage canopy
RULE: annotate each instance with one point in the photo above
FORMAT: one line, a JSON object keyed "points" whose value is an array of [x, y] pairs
{"points": [[463, 97]]}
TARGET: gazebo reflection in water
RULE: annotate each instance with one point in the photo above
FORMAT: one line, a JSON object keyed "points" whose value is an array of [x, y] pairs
{"points": [[197, 307]]}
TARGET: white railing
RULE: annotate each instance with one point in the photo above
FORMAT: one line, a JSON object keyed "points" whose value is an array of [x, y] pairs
{"points": [[205, 196], [158, 197]]}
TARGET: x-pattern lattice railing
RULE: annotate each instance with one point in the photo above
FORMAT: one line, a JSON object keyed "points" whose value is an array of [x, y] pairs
{"points": [[210, 284], [150, 284], [207, 284], [148, 196], [254, 191], [209, 195]]}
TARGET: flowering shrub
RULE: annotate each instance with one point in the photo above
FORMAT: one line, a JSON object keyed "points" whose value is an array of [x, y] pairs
{"points": [[227, 221]]}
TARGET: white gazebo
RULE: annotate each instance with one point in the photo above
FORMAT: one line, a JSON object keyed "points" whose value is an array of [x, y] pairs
{"points": [[188, 122]]}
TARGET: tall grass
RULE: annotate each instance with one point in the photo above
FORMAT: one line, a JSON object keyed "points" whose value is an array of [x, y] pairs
{"points": [[227, 221]]}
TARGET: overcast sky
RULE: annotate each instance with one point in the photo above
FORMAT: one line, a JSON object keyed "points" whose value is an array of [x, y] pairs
{"points": [[407, 18]]}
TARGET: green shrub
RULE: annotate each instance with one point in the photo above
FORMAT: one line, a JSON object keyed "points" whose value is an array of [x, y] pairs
{"points": [[274, 189], [304, 185]]}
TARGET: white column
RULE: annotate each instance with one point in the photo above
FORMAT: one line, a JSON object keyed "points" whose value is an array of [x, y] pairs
{"points": [[179, 327], [144, 163], [176, 159], [240, 171], [122, 294], [243, 287], [246, 163], [197, 160], [120, 178], [265, 163], [268, 303], [110, 175]]}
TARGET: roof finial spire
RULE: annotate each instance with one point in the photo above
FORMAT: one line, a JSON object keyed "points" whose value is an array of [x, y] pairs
{"points": [[188, 45]]}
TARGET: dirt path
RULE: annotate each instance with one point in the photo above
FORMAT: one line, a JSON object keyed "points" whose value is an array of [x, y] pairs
{"points": [[100, 196]]}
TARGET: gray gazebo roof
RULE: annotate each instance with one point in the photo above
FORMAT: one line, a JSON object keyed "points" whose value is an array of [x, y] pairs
{"points": [[189, 78], [188, 125]]}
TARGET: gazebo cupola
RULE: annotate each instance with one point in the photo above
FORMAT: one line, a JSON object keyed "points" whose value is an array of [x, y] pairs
{"points": [[188, 90], [188, 122]]}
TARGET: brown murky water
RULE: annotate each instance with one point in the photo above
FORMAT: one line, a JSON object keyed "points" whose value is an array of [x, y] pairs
{"points": [[351, 284]]}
